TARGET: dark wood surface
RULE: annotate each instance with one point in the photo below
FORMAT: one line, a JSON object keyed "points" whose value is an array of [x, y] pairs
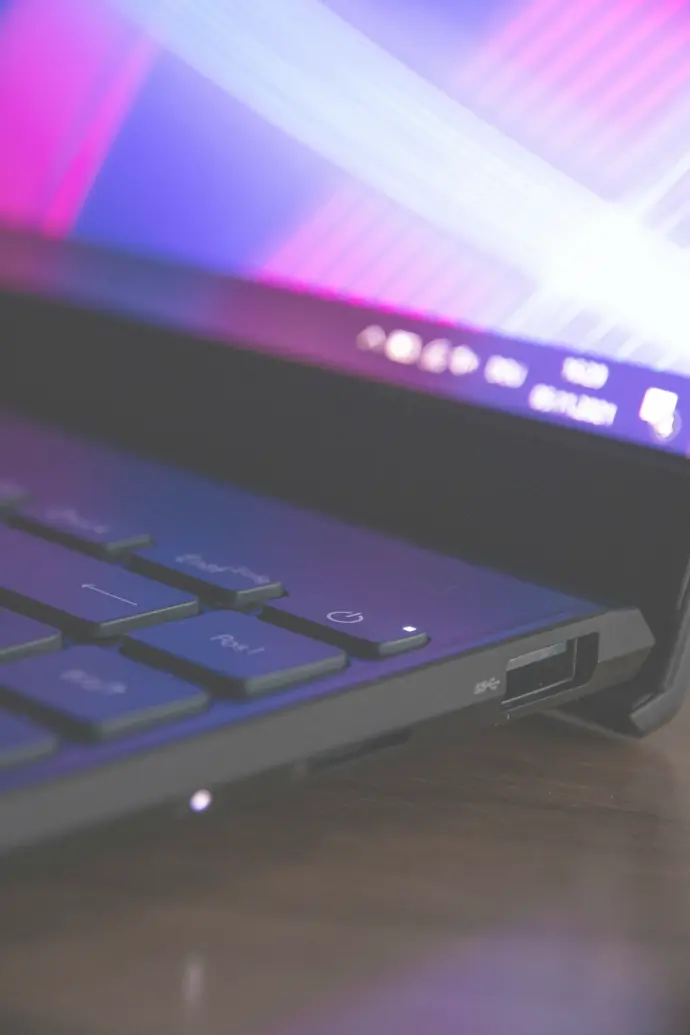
{"points": [[531, 881]]}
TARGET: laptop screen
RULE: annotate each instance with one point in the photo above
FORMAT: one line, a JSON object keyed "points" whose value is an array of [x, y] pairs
{"points": [[489, 201]]}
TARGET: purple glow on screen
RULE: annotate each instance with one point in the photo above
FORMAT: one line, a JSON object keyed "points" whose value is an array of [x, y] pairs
{"points": [[520, 166]]}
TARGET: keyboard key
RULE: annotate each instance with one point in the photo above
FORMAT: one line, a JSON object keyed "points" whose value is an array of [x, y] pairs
{"points": [[20, 636], [220, 580], [11, 494], [80, 594], [98, 536], [97, 693], [369, 631], [22, 741], [234, 653]]}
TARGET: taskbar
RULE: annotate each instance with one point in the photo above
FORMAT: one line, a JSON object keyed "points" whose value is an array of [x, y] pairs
{"points": [[545, 382]]}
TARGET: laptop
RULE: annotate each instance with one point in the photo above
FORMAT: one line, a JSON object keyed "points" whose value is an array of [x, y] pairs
{"points": [[343, 378]]}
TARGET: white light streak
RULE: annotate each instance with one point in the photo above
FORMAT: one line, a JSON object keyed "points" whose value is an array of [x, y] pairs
{"points": [[304, 69]]}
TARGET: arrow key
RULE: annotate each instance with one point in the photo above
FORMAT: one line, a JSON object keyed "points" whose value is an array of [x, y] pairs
{"points": [[370, 631], [79, 594]]}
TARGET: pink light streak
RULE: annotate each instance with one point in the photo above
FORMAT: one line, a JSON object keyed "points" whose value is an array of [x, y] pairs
{"points": [[457, 285], [52, 57], [667, 89], [356, 249], [609, 62], [400, 246], [371, 236], [332, 257], [537, 51], [294, 251], [106, 119], [656, 58], [506, 41], [416, 264], [556, 73]]}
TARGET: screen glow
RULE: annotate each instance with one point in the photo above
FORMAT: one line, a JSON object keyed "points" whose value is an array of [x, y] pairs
{"points": [[515, 166]]}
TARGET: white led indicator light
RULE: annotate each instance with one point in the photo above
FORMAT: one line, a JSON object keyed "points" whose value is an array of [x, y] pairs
{"points": [[200, 801]]}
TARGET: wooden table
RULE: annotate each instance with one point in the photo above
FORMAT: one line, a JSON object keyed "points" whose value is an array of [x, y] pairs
{"points": [[527, 881]]}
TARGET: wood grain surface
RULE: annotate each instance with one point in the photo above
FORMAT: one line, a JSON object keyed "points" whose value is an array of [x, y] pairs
{"points": [[524, 881]]}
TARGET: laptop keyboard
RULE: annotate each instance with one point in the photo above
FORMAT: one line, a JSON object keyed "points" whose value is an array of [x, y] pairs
{"points": [[98, 640], [142, 606]]}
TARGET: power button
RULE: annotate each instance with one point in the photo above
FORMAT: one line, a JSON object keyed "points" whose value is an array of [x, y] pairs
{"points": [[372, 632]]}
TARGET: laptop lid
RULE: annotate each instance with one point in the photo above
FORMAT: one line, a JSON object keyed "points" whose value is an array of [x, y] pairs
{"points": [[366, 184]]}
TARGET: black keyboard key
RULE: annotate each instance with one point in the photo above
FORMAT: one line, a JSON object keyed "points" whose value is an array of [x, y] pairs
{"points": [[234, 653], [221, 580], [97, 693], [20, 636], [21, 741], [11, 494], [96, 535], [370, 631], [80, 594]]}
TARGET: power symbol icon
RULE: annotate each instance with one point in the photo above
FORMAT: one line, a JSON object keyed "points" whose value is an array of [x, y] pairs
{"points": [[345, 617]]}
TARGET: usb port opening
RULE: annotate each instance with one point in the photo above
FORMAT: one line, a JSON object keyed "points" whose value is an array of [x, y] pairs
{"points": [[560, 666]]}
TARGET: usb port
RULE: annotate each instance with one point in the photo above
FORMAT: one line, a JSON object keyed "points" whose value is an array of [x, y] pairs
{"points": [[542, 672]]}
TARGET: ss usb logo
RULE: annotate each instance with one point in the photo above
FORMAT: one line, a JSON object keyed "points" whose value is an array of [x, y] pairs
{"points": [[486, 685]]}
